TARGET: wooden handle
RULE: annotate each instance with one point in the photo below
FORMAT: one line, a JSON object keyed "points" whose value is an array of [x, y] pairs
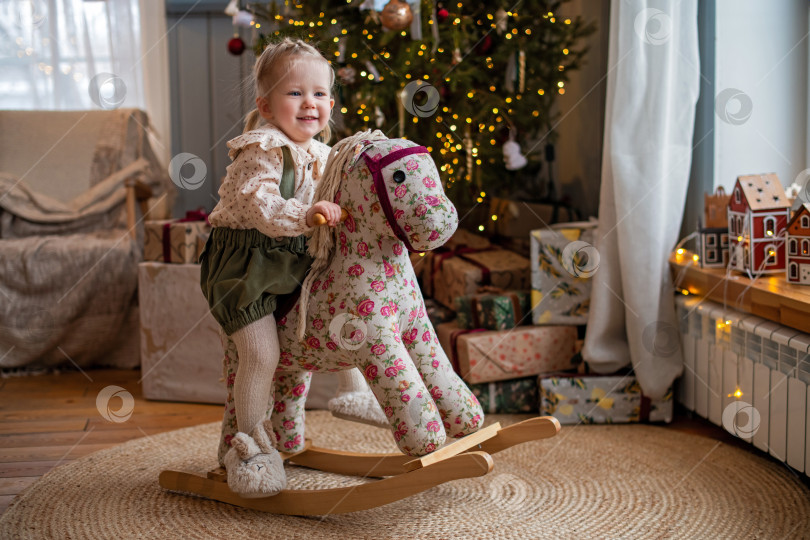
{"points": [[318, 219]]}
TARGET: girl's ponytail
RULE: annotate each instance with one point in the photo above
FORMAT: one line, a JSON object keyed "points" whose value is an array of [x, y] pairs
{"points": [[252, 120]]}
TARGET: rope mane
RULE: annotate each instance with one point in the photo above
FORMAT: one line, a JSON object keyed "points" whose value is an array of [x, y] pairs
{"points": [[322, 241]]}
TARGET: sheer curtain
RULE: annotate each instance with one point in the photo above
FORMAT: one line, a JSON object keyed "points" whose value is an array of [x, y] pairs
{"points": [[650, 113], [70, 54]]}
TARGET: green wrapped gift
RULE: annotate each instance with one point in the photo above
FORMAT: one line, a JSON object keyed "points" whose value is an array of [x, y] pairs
{"points": [[493, 309], [516, 396], [437, 313]]}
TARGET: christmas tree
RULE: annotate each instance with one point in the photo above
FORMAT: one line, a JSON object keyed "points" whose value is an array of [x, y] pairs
{"points": [[474, 82]]}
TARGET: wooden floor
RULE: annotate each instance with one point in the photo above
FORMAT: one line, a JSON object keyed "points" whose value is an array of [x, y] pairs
{"points": [[49, 420]]}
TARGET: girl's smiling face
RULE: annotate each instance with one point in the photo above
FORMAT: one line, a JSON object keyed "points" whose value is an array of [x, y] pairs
{"points": [[298, 102]]}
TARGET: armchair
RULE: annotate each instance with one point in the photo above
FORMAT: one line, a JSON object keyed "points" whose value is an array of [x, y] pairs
{"points": [[74, 189]]}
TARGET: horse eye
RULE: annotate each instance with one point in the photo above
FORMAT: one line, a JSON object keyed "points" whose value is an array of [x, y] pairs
{"points": [[399, 177]]}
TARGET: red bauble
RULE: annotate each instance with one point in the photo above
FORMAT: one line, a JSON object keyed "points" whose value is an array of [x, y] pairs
{"points": [[442, 15], [485, 46], [236, 46]]}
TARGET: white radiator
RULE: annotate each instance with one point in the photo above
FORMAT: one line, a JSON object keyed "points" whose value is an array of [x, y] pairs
{"points": [[749, 376]]}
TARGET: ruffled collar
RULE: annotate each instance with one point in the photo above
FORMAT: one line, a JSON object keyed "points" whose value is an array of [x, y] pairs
{"points": [[269, 136]]}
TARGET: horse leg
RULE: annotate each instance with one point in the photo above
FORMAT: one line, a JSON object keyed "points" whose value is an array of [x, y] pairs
{"points": [[406, 401], [458, 406], [354, 400], [291, 389]]}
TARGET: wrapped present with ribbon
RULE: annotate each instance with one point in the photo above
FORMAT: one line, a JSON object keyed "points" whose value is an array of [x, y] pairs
{"points": [[515, 396], [175, 240], [563, 259], [600, 399], [480, 355], [426, 265], [463, 271], [493, 308]]}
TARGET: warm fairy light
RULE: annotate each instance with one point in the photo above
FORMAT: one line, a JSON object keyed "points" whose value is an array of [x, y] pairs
{"points": [[695, 258], [494, 217], [565, 51], [684, 292], [680, 251], [480, 227], [739, 239], [344, 110], [560, 84], [483, 194], [541, 92], [769, 233], [771, 252]]}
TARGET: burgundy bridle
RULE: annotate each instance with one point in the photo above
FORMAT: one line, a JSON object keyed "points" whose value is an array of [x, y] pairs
{"points": [[376, 166]]}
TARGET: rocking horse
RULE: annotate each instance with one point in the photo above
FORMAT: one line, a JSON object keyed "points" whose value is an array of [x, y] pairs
{"points": [[360, 307]]}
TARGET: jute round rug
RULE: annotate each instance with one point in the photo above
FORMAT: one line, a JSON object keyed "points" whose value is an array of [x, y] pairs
{"points": [[612, 481]]}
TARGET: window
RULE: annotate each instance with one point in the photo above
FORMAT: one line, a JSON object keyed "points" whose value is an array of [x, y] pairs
{"points": [[805, 246], [769, 226], [737, 198], [70, 54], [793, 246], [711, 240], [794, 271], [711, 256], [770, 254], [724, 240], [805, 223]]}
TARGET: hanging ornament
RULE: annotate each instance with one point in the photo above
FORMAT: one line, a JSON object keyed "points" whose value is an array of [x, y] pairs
{"points": [[457, 56], [512, 157], [379, 117], [347, 74], [396, 15], [236, 46], [442, 15], [243, 18], [501, 18], [416, 24], [516, 73], [232, 9]]}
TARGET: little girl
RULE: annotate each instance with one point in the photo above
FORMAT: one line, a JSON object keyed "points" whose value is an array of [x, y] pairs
{"points": [[257, 250]]}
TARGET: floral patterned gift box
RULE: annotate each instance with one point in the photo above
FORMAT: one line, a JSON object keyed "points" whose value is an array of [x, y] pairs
{"points": [[600, 399], [493, 309], [563, 261], [516, 396], [487, 356], [465, 273]]}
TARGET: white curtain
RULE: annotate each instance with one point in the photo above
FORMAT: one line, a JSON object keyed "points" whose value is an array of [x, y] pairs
{"points": [[653, 84]]}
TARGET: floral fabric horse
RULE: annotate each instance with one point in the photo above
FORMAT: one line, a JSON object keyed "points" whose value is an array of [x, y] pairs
{"points": [[364, 307]]}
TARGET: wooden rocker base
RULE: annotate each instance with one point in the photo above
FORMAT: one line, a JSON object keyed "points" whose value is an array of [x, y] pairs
{"points": [[468, 457]]}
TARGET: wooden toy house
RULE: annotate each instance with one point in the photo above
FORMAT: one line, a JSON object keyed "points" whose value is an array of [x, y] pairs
{"points": [[798, 241], [758, 213], [712, 241]]}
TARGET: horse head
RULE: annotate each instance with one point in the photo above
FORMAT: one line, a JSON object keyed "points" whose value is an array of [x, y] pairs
{"points": [[394, 186]]}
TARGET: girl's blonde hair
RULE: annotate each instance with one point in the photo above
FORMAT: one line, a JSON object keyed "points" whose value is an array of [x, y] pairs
{"points": [[263, 81]]}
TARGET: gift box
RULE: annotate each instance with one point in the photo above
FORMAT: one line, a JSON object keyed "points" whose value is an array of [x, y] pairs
{"points": [[496, 355], [493, 309], [464, 271], [600, 399], [437, 313], [516, 396], [202, 239], [174, 241], [563, 260], [426, 265], [181, 352]]}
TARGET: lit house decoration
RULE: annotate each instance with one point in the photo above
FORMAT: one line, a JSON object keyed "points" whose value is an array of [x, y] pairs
{"points": [[758, 212], [713, 236], [798, 241]]}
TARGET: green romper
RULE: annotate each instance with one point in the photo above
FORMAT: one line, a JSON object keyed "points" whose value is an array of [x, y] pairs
{"points": [[244, 272]]}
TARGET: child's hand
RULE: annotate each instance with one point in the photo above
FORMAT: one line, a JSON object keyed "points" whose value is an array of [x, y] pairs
{"points": [[329, 210]]}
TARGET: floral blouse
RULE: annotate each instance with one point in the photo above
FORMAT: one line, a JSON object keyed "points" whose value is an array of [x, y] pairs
{"points": [[250, 196]]}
